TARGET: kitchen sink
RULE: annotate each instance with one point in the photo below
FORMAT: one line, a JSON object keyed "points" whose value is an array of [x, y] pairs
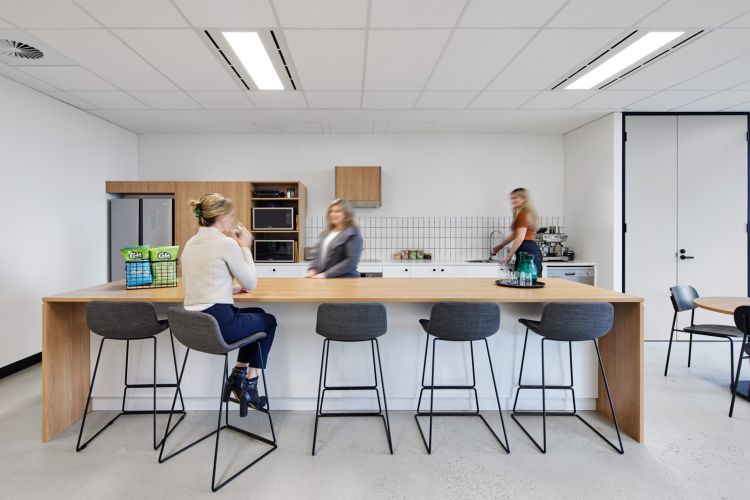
{"points": [[481, 261]]}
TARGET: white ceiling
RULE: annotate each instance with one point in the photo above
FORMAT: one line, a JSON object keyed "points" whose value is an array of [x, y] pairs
{"points": [[375, 66]]}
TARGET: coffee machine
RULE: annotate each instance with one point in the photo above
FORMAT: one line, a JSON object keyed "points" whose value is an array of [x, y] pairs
{"points": [[550, 241]]}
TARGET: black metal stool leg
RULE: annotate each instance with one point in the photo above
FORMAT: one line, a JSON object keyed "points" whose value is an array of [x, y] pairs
{"points": [[385, 400], [620, 450], [319, 401], [424, 369], [515, 414], [506, 445], [737, 373], [79, 447]]}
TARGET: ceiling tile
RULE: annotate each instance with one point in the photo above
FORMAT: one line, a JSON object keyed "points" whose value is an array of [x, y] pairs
{"points": [[166, 100], [4, 24], [328, 59], [694, 13], [428, 127], [668, 99], [301, 127], [277, 99], [72, 100], [28, 80], [389, 100], [509, 13], [228, 13], [182, 56], [553, 54], [402, 59], [110, 100], [742, 21], [101, 52], [135, 13], [492, 127], [553, 121], [705, 53], [719, 101], [725, 76], [445, 100], [222, 100], [474, 57], [602, 13], [614, 99], [45, 14], [743, 86], [502, 100], [415, 13], [557, 99], [333, 100], [351, 127], [68, 77], [321, 13]]}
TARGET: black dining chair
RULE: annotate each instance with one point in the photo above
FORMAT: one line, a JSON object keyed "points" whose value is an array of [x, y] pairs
{"points": [[682, 300], [742, 320]]}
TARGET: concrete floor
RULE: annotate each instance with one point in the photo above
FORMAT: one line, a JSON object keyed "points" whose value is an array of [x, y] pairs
{"points": [[692, 450]]}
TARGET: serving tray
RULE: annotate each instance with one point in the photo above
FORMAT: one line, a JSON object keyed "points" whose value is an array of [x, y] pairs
{"points": [[511, 284]]}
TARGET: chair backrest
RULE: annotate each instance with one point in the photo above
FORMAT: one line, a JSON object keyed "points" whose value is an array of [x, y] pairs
{"points": [[347, 321], [123, 320], [464, 320], [576, 321], [197, 330], [682, 298], [742, 319]]}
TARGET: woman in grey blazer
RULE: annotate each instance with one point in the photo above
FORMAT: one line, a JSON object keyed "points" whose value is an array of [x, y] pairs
{"points": [[339, 246]]}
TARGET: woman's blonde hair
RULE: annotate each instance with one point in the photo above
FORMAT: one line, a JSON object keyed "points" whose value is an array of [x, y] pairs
{"points": [[527, 207], [209, 207], [346, 207]]}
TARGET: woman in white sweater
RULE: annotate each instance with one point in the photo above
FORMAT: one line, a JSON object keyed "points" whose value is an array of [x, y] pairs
{"points": [[211, 260]]}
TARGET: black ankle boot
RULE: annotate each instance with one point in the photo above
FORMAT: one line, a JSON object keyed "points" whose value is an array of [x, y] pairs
{"points": [[235, 385], [251, 389]]}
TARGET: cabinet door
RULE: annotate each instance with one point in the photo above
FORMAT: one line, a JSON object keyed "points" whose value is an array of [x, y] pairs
{"points": [[451, 271], [397, 271], [484, 271], [712, 207], [278, 271], [651, 217], [422, 271]]}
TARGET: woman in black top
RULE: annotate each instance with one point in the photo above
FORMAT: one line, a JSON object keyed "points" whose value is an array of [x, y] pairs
{"points": [[339, 246]]}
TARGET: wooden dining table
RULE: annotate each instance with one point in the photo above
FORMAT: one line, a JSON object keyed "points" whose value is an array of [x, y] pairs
{"points": [[727, 305]]}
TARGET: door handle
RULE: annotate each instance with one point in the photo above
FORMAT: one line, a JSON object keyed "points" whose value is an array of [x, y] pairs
{"points": [[683, 257]]}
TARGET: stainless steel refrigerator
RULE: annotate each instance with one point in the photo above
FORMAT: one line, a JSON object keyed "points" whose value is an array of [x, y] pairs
{"points": [[137, 221]]}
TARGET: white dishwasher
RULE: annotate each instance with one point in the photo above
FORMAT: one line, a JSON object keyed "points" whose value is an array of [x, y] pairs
{"points": [[579, 274]]}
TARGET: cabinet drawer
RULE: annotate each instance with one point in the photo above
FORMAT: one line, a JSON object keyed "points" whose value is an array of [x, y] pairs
{"points": [[423, 271], [279, 271], [486, 271], [397, 271]]}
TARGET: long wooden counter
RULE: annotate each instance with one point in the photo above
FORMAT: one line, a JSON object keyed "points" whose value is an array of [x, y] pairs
{"points": [[65, 335]]}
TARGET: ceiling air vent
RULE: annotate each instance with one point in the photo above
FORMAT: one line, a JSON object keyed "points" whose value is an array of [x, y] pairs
{"points": [[20, 50], [275, 46], [614, 49]]}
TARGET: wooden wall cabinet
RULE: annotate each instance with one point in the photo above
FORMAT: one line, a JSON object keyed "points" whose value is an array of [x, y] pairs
{"points": [[359, 185]]}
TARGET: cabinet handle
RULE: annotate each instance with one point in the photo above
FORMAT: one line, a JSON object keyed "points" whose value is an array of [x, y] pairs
{"points": [[442, 270], [434, 270], [406, 270]]}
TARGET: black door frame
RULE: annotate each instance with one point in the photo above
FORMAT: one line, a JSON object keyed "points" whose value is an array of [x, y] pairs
{"points": [[685, 113]]}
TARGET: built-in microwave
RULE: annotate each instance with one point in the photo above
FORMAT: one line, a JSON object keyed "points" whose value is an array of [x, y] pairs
{"points": [[274, 250], [273, 218]]}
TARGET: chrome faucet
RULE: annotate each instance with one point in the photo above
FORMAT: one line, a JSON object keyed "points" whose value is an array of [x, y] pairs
{"points": [[491, 255]]}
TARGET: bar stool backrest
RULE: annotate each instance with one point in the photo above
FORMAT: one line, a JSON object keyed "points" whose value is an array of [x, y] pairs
{"points": [[351, 322], [682, 298], [197, 330], [464, 321], [123, 320], [576, 321], [742, 319]]}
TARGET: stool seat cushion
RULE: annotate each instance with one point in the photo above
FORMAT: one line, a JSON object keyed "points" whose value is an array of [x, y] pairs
{"points": [[123, 320], [200, 331], [462, 321], [573, 321], [351, 322]]}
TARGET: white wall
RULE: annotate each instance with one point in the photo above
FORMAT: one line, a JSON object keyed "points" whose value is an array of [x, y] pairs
{"points": [[54, 160], [440, 175], [592, 196]]}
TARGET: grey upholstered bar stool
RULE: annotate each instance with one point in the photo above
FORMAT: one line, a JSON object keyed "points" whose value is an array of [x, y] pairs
{"points": [[682, 301], [200, 332], [352, 322], [567, 322], [126, 321], [459, 322]]}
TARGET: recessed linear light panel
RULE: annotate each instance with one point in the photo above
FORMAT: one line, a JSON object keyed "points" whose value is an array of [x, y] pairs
{"points": [[630, 54], [258, 59]]}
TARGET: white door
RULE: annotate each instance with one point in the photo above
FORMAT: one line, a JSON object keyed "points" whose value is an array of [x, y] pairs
{"points": [[712, 206], [651, 217]]}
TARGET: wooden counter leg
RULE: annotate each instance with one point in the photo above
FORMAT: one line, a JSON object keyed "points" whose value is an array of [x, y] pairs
{"points": [[622, 356], [65, 365]]}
